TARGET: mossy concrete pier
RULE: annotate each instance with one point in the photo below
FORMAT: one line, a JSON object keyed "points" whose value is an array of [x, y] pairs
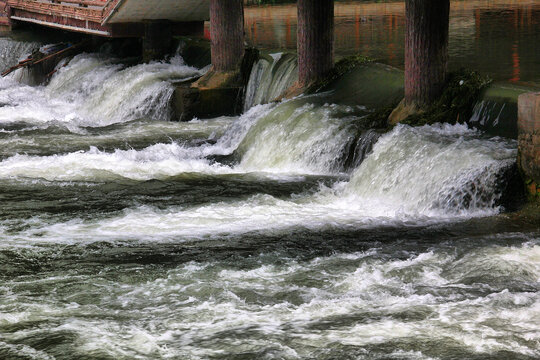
{"points": [[220, 91]]}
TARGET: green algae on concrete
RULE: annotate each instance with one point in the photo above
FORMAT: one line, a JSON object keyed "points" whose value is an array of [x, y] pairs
{"points": [[340, 68], [371, 85], [456, 103]]}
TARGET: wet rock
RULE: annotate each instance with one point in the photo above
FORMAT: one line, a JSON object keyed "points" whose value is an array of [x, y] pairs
{"points": [[190, 102], [217, 93], [513, 195], [402, 112], [202, 142], [195, 52]]}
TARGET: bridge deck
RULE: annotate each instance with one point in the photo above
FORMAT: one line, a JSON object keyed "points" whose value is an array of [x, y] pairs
{"points": [[112, 18]]}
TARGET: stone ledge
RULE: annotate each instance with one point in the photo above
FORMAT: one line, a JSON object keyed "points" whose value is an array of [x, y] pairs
{"points": [[190, 102], [217, 93]]}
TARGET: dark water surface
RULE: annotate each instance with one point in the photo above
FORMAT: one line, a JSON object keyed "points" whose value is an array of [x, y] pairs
{"points": [[290, 232], [500, 38]]}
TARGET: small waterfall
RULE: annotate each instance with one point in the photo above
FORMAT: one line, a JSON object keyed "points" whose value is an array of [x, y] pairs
{"points": [[299, 139], [11, 51], [362, 147], [427, 171], [270, 78], [412, 176], [434, 170], [485, 112], [496, 112], [92, 90], [495, 117], [89, 89], [110, 93]]}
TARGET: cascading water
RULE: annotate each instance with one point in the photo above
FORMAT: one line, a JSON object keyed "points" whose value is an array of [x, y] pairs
{"points": [[305, 139], [429, 170], [270, 78], [97, 90], [11, 51], [293, 231], [118, 94], [496, 116], [412, 174]]}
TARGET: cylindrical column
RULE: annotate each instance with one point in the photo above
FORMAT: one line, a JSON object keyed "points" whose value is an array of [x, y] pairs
{"points": [[529, 140], [227, 33], [426, 50], [315, 39], [157, 39]]}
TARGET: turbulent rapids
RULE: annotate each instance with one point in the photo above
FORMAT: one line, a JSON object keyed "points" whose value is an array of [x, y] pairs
{"points": [[293, 231]]}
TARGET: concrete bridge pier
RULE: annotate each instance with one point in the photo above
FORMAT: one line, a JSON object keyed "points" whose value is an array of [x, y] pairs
{"points": [[426, 55], [227, 34], [529, 141], [220, 91], [315, 40], [157, 40], [426, 50]]}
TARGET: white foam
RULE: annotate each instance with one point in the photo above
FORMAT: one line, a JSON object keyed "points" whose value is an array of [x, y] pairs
{"points": [[155, 162], [370, 300], [96, 90], [308, 139], [432, 170], [408, 179]]}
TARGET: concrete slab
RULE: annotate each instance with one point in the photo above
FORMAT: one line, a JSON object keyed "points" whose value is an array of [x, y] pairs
{"points": [[125, 11]]}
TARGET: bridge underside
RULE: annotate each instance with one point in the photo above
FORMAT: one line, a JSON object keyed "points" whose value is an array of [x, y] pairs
{"points": [[113, 18], [127, 11]]}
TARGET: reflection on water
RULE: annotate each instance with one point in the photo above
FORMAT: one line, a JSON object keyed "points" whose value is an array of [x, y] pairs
{"points": [[500, 37]]}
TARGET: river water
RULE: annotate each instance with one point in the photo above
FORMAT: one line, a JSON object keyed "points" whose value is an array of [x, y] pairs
{"points": [[126, 236], [499, 37]]}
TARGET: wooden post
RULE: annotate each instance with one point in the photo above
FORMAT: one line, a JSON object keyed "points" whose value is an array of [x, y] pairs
{"points": [[227, 34], [426, 50], [315, 39]]}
